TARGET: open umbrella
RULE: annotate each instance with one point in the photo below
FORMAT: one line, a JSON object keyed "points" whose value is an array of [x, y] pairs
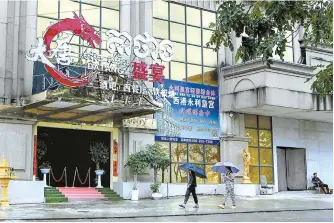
{"points": [[198, 171], [221, 167]]}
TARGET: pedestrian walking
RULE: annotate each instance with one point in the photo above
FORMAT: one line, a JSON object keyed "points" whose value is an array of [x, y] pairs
{"points": [[229, 187], [191, 189]]}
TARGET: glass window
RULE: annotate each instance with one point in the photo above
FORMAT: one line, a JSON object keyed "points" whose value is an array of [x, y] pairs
{"points": [[212, 154], [166, 176], [264, 122], [254, 155], [178, 71], [178, 175], [265, 138], [211, 176], [254, 174], [250, 121], [268, 172], [177, 32], [210, 57], [166, 70], [179, 152], [91, 14], [93, 2], [207, 18], [252, 133], [177, 13], [48, 8], [67, 7], [160, 29], [179, 52], [194, 74], [210, 76], [42, 25], [110, 19], [266, 157], [193, 16], [206, 36], [194, 35], [160, 9], [194, 54], [110, 4], [196, 153]]}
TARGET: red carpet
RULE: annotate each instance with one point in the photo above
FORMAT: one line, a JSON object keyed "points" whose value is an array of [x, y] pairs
{"points": [[80, 193]]}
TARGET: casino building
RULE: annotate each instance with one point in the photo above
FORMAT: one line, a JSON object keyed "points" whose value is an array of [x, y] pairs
{"points": [[287, 129]]}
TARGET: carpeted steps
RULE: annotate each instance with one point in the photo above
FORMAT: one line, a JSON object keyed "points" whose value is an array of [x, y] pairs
{"points": [[109, 194], [52, 195]]}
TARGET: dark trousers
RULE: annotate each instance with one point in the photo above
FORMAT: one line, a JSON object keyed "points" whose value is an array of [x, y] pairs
{"points": [[191, 190], [323, 186]]}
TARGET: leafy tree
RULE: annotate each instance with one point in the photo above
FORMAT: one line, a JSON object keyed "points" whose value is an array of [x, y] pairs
{"points": [[137, 163], [157, 159], [269, 25], [99, 153]]}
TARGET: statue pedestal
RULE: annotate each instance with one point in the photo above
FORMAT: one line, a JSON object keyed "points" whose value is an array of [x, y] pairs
{"points": [[246, 180]]}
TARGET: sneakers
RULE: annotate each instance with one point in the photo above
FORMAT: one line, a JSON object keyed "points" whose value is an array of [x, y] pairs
{"points": [[182, 205], [221, 206]]}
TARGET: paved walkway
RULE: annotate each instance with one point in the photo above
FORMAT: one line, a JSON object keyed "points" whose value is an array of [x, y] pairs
{"points": [[167, 207]]}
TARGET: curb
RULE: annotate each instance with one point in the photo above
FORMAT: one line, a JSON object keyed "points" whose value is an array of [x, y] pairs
{"points": [[167, 215]]}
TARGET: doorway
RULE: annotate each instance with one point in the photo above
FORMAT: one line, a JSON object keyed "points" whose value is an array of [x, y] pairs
{"points": [[292, 173], [70, 148]]}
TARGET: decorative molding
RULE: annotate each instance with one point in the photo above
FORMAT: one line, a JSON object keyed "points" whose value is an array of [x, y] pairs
{"points": [[289, 68], [140, 123], [235, 138]]}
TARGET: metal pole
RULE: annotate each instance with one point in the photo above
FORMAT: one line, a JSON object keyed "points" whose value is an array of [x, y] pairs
{"points": [[49, 178], [167, 190], [65, 177], [89, 177], [75, 172]]}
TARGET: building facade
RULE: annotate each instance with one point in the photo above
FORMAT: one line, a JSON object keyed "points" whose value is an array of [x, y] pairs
{"points": [[271, 111]]}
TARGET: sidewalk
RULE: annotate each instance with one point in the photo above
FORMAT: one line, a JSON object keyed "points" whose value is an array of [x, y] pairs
{"points": [[300, 201]]}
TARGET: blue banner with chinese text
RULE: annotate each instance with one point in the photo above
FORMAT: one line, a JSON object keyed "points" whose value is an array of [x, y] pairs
{"points": [[190, 113]]}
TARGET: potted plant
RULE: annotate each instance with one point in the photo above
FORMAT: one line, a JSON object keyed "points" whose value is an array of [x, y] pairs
{"points": [[155, 191], [137, 163], [99, 154], [45, 169], [157, 160]]}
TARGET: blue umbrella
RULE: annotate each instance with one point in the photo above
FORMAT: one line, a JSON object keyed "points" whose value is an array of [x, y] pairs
{"points": [[221, 167], [198, 171]]}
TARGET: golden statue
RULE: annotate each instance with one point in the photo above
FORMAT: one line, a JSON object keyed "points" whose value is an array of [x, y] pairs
{"points": [[246, 158]]}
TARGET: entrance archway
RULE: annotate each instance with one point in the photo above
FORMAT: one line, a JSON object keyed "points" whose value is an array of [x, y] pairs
{"points": [[70, 148]]}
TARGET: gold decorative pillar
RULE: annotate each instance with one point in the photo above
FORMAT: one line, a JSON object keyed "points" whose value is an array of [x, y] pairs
{"points": [[5, 175], [246, 158]]}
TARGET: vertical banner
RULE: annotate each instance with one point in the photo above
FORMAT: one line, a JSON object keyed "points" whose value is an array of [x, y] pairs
{"points": [[190, 113], [35, 156], [115, 159]]}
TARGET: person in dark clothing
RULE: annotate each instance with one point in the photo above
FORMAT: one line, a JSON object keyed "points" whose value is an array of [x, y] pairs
{"points": [[191, 189], [317, 182]]}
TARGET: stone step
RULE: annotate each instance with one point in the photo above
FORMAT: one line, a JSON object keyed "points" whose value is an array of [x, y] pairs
{"points": [[55, 199], [54, 195]]}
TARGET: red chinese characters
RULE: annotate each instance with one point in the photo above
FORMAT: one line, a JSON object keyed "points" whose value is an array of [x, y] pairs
{"points": [[157, 73], [140, 72]]}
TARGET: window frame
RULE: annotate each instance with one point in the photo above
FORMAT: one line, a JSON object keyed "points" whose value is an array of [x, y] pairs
{"points": [[98, 28], [204, 163], [202, 45], [258, 129]]}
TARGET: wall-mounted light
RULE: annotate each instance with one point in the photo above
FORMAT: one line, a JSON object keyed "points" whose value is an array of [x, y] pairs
{"points": [[231, 114]]}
